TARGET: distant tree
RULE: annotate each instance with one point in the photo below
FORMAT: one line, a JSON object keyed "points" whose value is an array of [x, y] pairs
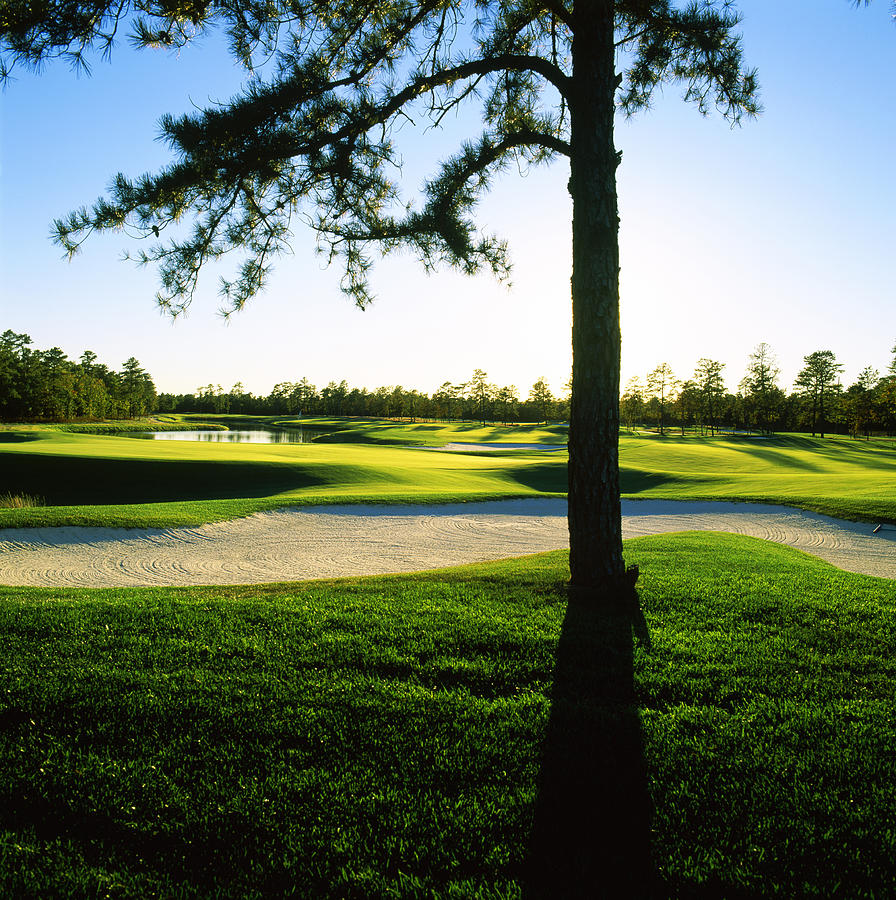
{"points": [[481, 393], [885, 403], [53, 385], [396, 402], [688, 404], [239, 400], [541, 396], [280, 401], [507, 400], [760, 385], [442, 401], [412, 404], [333, 397], [15, 352], [304, 395], [733, 414], [861, 402], [631, 403], [459, 400], [88, 361], [91, 397], [661, 385], [210, 398], [711, 389], [817, 381], [45, 385]]}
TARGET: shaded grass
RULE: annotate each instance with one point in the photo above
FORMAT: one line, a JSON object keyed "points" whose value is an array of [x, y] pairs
{"points": [[69, 480], [383, 736]]}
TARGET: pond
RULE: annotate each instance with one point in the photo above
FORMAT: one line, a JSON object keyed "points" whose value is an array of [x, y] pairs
{"points": [[258, 436]]}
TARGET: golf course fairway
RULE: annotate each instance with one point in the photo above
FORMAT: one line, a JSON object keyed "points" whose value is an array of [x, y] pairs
{"points": [[115, 480]]}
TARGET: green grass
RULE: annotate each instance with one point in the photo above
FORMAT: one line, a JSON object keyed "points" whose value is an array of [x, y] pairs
{"points": [[116, 480], [93, 479], [428, 433], [19, 501], [840, 477], [398, 737], [362, 430]]}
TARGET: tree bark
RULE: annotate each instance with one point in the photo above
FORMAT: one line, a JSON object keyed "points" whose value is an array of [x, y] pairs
{"points": [[595, 522]]}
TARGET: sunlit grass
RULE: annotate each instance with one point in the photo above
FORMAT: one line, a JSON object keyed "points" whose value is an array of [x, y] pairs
{"points": [[844, 478], [107, 480], [89, 479], [383, 736], [19, 501]]}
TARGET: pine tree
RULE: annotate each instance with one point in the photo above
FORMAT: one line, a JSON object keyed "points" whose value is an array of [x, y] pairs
{"points": [[311, 140], [711, 389], [760, 384], [662, 385], [817, 380]]}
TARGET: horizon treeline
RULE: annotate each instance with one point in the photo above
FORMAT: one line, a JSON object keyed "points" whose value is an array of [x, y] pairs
{"points": [[47, 386], [818, 402], [473, 400], [44, 385]]}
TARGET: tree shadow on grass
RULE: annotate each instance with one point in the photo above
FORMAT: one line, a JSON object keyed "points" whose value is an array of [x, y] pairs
{"points": [[74, 480], [591, 834]]}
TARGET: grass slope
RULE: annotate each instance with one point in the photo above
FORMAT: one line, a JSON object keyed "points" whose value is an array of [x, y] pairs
{"points": [[839, 477], [89, 479], [403, 736]]}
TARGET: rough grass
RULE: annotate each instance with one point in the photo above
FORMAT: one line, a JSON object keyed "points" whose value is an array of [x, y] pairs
{"points": [[402, 736], [19, 501]]}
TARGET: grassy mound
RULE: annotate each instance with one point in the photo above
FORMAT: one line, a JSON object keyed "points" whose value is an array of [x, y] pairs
{"points": [[433, 735]]}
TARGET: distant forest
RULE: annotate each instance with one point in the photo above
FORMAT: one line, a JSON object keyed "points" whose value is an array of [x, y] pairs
{"points": [[46, 386]]}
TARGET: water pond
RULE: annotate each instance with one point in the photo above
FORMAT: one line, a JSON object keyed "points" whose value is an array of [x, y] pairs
{"points": [[258, 436]]}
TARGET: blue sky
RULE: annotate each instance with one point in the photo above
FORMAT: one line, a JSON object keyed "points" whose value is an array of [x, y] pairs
{"points": [[779, 231]]}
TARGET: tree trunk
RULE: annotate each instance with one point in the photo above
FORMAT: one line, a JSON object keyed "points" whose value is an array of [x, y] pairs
{"points": [[595, 523]]}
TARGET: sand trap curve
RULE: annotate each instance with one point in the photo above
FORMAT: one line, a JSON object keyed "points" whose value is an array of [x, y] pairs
{"points": [[336, 541]]}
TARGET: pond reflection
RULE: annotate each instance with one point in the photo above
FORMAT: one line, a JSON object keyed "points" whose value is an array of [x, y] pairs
{"points": [[259, 436]]}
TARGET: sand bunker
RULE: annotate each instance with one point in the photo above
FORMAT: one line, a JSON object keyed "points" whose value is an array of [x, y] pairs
{"points": [[335, 541]]}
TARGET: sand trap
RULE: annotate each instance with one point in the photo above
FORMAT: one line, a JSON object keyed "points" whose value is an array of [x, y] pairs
{"points": [[334, 541]]}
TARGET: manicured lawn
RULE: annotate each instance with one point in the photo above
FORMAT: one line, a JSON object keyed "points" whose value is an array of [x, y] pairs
{"points": [[429, 433], [432, 735], [839, 477], [88, 479]]}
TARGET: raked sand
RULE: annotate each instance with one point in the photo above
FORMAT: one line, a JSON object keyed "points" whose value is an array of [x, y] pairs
{"points": [[335, 541]]}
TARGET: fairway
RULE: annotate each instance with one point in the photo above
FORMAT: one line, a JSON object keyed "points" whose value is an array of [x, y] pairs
{"points": [[841, 477], [90, 479], [113, 480]]}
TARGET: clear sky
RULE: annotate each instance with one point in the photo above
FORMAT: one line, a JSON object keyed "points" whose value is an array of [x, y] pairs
{"points": [[779, 231]]}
